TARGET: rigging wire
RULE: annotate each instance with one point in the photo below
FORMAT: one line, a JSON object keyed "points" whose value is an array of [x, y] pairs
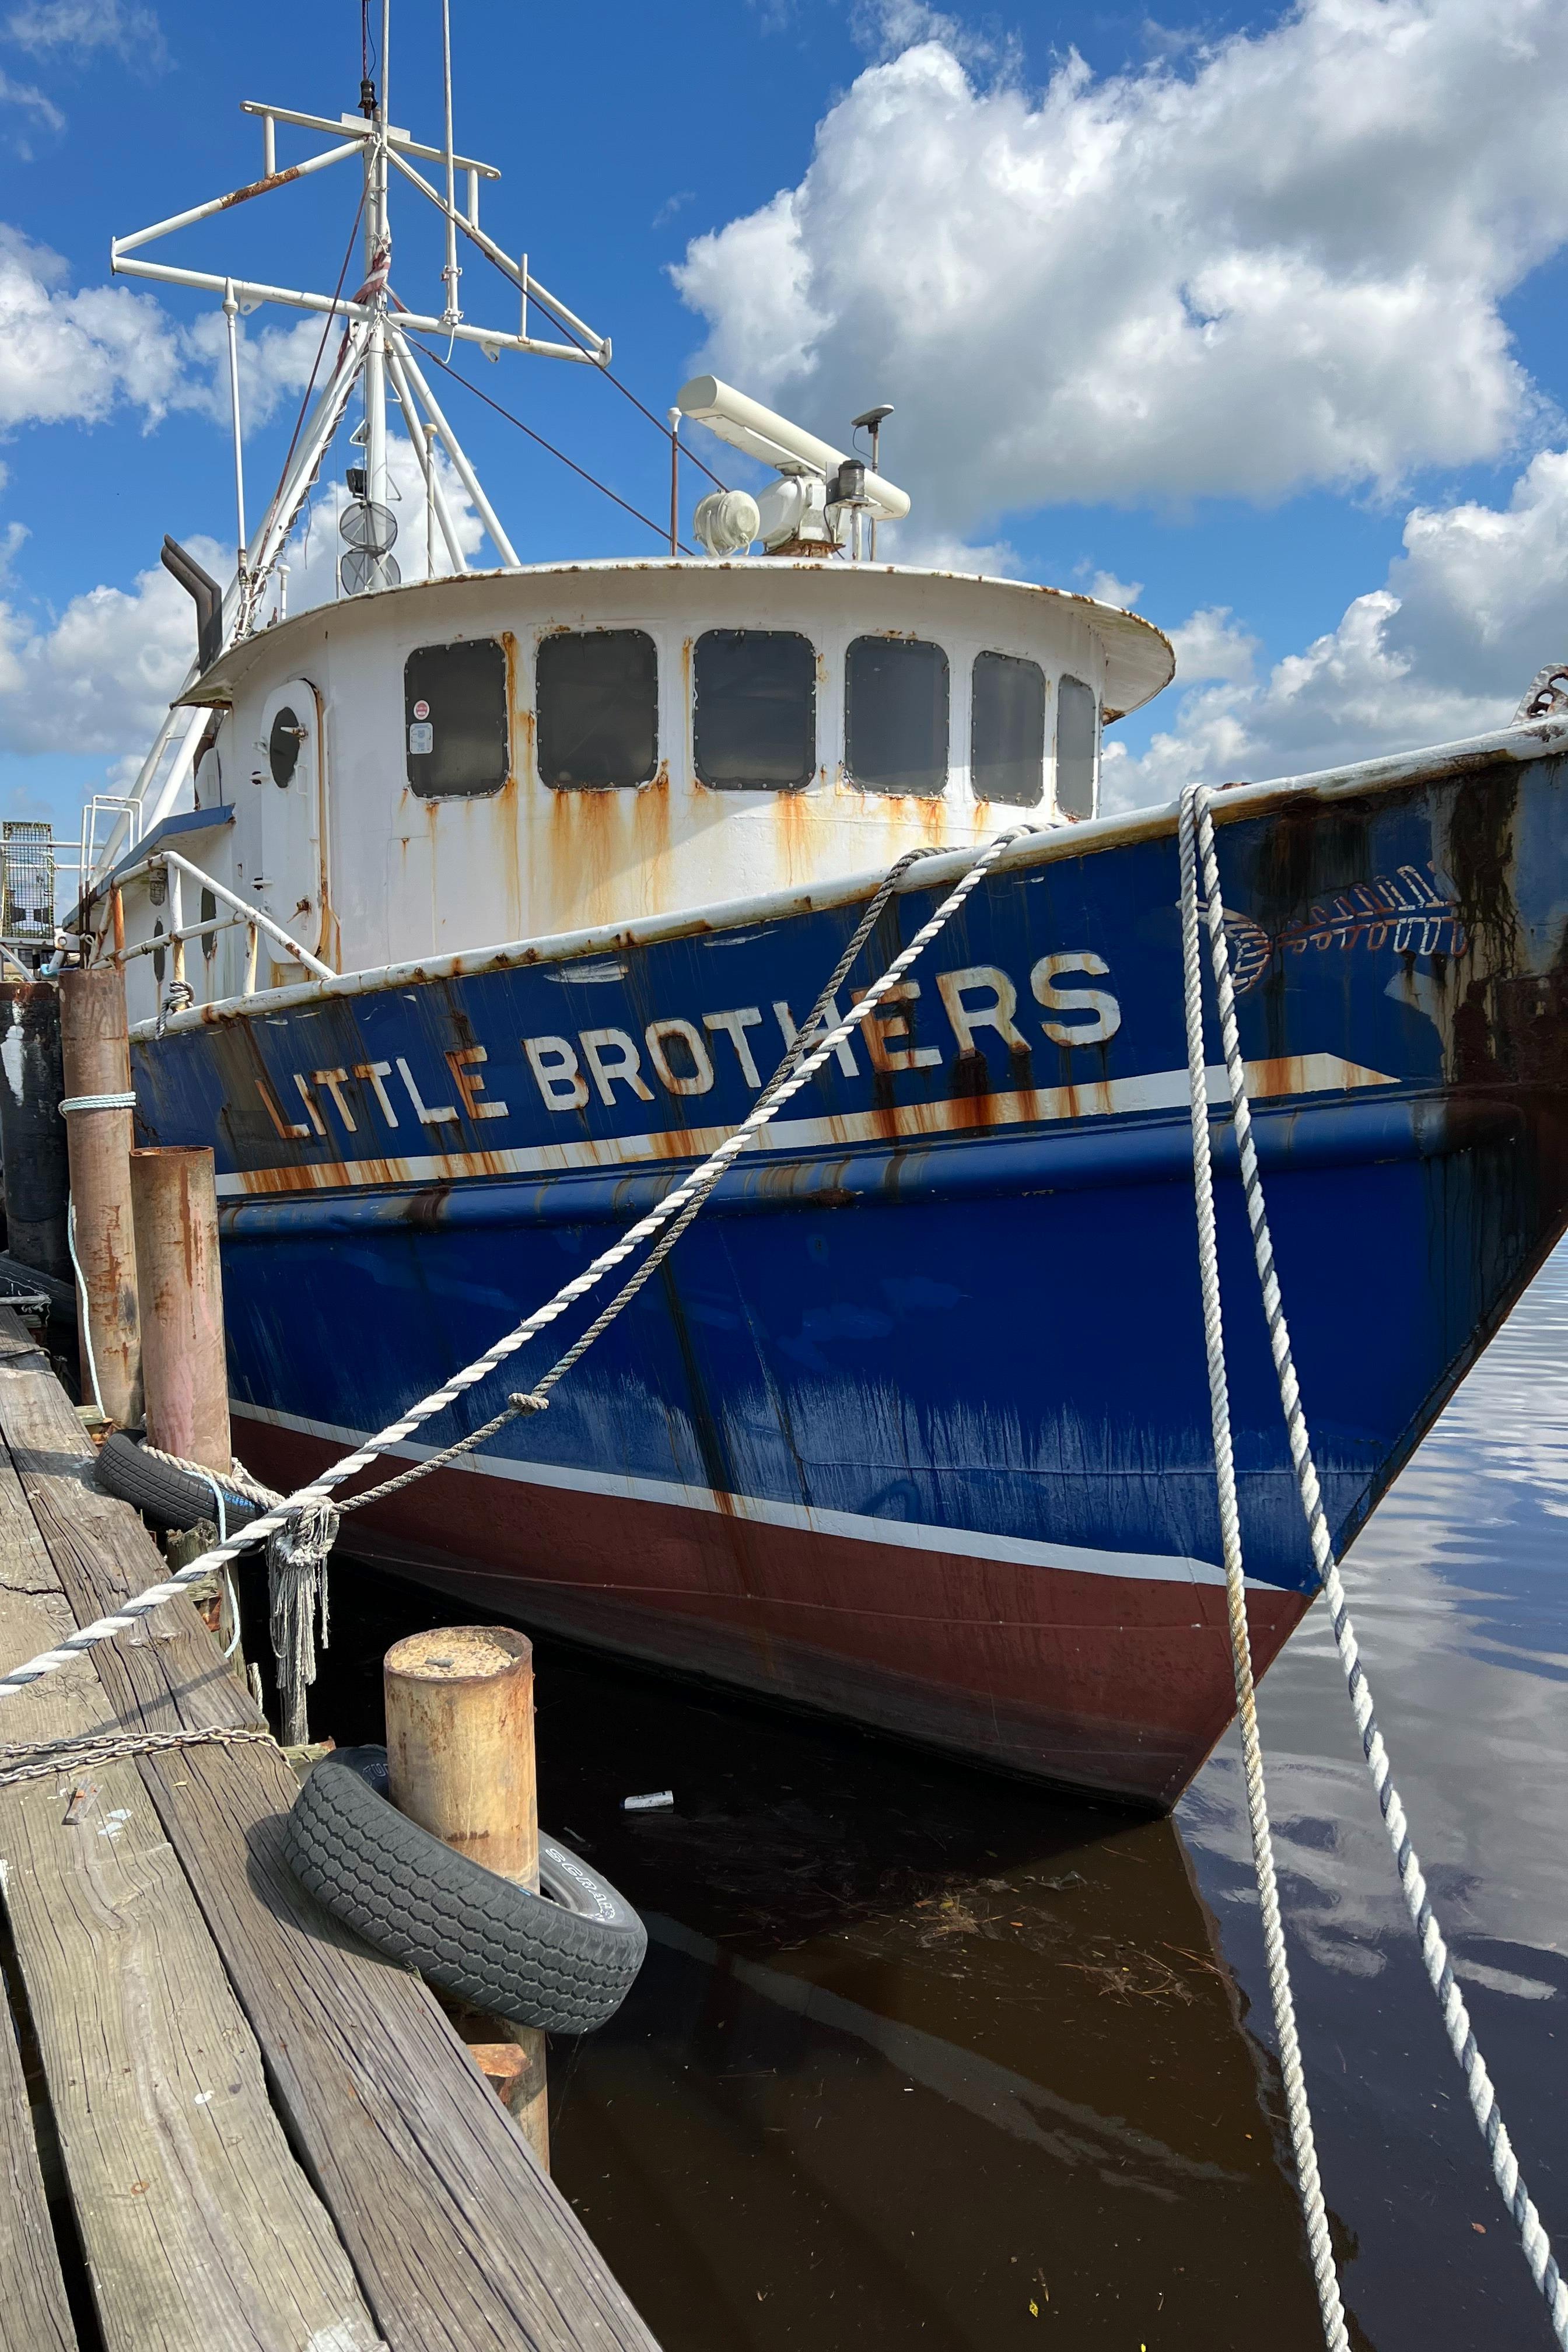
{"points": [[320, 347], [661, 529], [628, 394]]}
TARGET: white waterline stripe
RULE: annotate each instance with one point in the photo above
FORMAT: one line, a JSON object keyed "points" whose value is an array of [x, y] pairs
{"points": [[1304, 1074], [909, 1535]]}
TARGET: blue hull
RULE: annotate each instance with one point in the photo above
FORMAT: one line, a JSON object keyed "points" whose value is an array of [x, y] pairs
{"points": [[914, 1422]]}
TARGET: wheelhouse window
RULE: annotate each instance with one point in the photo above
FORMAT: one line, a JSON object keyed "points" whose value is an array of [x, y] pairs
{"points": [[596, 694], [1078, 733], [754, 714], [455, 719], [1007, 729], [895, 715]]}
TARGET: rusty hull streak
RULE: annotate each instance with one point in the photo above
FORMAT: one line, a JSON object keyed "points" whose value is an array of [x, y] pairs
{"points": [[1412, 772]]}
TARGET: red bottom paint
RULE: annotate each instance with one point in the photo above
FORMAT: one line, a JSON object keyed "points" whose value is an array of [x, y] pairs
{"points": [[1117, 1684]]}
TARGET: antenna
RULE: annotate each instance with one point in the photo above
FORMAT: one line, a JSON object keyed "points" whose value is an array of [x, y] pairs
{"points": [[376, 349], [871, 421]]}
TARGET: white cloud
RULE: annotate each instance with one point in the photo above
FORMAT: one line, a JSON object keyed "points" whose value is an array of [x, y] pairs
{"points": [[32, 101], [1277, 266], [1471, 609], [80, 28], [100, 677], [75, 357], [1210, 644]]}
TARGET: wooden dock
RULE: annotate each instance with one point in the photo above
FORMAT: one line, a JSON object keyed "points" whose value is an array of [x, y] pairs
{"points": [[260, 2136]]}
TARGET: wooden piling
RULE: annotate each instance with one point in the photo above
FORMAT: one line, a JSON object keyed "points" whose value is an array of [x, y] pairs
{"points": [[184, 1366], [459, 1745], [95, 1052]]}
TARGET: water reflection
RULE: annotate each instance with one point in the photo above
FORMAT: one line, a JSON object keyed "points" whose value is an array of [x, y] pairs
{"points": [[922, 2053]]}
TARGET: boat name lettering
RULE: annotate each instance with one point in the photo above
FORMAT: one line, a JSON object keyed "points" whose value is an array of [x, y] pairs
{"points": [[680, 1056]]}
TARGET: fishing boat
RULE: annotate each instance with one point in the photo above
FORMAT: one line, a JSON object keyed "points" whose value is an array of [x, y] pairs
{"points": [[462, 914]]}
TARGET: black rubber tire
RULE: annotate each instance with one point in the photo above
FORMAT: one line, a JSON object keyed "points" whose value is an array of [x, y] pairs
{"points": [[563, 1960], [169, 1497]]}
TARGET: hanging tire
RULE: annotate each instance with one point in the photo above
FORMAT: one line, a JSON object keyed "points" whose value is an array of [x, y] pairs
{"points": [[169, 1497], [563, 1960]]}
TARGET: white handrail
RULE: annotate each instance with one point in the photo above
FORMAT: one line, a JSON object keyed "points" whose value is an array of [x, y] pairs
{"points": [[172, 941]]}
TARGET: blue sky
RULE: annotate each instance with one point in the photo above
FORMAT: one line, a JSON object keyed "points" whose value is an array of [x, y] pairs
{"points": [[1257, 317]]}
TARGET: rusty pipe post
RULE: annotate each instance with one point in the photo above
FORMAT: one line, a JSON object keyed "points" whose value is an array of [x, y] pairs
{"points": [[184, 1366], [95, 1053], [459, 1752], [32, 1132]]}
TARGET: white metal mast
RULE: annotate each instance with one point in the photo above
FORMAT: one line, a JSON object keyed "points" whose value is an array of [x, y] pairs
{"points": [[375, 345]]}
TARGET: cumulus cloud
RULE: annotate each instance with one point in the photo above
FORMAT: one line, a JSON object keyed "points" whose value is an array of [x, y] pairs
{"points": [[75, 358], [1278, 265], [69, 357], [1473, 606], [100, 677]]}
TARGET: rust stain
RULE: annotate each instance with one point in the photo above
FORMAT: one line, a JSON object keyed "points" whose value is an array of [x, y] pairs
{"points": [[259, 188]]}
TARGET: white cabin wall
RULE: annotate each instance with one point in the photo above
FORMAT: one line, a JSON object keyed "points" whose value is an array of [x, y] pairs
{"points": [[403, 876]]}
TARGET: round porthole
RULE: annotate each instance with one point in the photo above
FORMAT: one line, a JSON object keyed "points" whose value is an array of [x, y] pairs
{"points": [[283, 747]]}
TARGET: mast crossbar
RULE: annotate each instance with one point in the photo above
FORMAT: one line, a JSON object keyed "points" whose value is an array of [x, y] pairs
{"points": [[349, 126], [339, 307]]}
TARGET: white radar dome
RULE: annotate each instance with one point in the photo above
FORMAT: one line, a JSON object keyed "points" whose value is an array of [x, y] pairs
{"points": [[726, 522]]}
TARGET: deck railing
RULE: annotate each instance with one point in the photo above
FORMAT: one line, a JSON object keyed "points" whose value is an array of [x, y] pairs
{"points": [[167, 947]]}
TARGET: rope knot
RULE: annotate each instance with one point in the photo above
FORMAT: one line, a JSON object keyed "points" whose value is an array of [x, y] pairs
{"points": [[297, 1596], [529, 1400]]}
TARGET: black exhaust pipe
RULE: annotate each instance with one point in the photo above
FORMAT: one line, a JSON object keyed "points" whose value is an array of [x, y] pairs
{"points": [[208, 596]]}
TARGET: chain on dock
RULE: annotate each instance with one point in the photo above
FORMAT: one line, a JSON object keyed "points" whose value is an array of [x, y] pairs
{"points": [[1198, 839]]}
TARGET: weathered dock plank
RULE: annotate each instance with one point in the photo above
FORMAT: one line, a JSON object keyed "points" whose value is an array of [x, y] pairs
{"points": [[460, 2242], [34, 2314], [197, 2224]]}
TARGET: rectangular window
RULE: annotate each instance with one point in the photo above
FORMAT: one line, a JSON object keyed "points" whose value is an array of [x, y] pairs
{"points": [[1007, 730], [895, 715], [597, 700], [754, 720], [1078, 743], [455, 719]]}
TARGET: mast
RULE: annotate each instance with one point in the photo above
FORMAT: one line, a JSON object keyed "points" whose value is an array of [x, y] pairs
{"points": [[374, 345], [377, 269]]}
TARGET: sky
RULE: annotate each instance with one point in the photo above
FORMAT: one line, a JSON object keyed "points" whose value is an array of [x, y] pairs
{"points": [[1253, 321]]}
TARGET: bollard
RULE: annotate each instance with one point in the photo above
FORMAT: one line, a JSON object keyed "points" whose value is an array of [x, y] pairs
{"points": [[32, 1132], [96, 1054], [184, 1366], [459, 1747]]}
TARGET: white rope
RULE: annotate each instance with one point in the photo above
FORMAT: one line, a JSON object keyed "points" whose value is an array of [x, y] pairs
{"points": [[1297, 2110], [85, 1318], [73, 1103], [1197, 821], [693, 1189]]}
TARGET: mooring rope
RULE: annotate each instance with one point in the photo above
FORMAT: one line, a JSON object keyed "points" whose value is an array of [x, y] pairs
{"points": [[1197, 837], [1298, 2108], [812, 1048]]}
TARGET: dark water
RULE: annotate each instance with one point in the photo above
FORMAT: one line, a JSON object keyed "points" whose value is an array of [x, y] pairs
{"points": [[918, 2053]]}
